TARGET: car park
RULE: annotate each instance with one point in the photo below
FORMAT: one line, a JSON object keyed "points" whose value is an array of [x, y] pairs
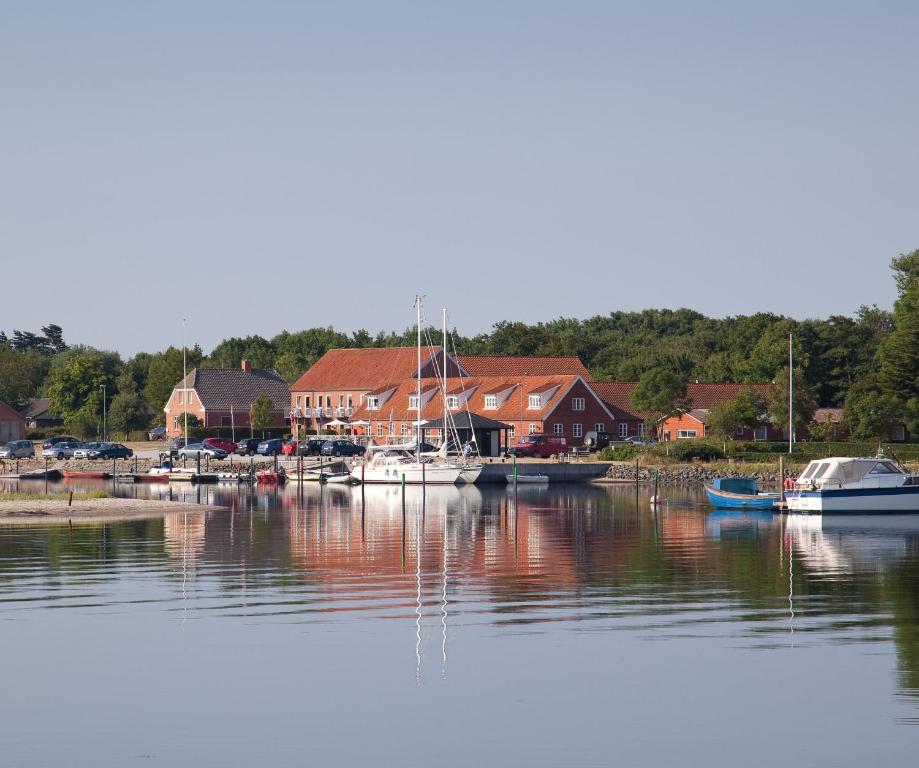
{"points": [[180, 442], [247, 446], [18, 449], [196, 450], [62, 450], [341, 447], [270, 447]]}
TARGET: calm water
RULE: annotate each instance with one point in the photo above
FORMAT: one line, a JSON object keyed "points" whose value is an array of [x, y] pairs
{"points": [[571, 627]]}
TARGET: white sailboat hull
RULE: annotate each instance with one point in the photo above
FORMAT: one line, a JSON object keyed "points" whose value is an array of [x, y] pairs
{"points": [[413, 473]]}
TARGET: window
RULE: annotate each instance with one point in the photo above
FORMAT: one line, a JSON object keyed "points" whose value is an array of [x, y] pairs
{"points": [[577, 430], [373, 403], [175, 422], [413, 402], [181, 396], [558, 429], [738, 431], [512, 433], [452, 401], [599, 427], [306, 401], [404, 430], [298, 401], [191, 397], [491, 402], [532, 429], [577, 403], [535, 401], [623, 430], [379, 430], [341, 401], [350, 401], [760, 433], [685, 434], [328, 401], [641, 429]]}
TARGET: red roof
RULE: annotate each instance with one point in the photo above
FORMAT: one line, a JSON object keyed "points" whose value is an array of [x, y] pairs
{"points": [[371, 368], [7, 413], [616, 394], [501, 365]]}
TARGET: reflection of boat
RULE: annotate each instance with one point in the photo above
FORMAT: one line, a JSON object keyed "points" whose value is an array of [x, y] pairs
{"points": [[537, 477], [841, 484], [270, 477], [737, 524], [151, 478], [739, 493], [340, 478]]}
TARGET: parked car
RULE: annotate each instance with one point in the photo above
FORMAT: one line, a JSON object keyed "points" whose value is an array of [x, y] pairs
{"points": [[539, 446], [311, 447], [63, 450], [641, 440], [270, 447], [93, 451], [341, 447], [180, 442], [228, 446], [157, 433], [18, 449], [247, 446], [195, 450], [51, 441]]}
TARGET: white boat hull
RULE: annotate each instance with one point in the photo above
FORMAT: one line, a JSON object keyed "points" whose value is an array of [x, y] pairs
{"points": [[900, 499], [413, 473]]}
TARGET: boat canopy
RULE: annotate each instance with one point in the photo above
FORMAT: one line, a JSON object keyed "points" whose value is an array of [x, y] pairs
{"points": [[847, 470]]}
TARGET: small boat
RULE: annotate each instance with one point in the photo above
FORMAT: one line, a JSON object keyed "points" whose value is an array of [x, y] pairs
{"points": [[842, 484], [233, 477], [340, 478], [73, 474], [270, 477], [537, 477], [740, 493], [148, 478]]}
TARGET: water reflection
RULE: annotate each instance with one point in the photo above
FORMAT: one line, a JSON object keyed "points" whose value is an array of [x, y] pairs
{"points": [[447, 573]]}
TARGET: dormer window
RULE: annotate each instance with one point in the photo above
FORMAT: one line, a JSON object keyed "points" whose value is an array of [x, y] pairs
{"points": [[452, 401], [413, 402], [535, 401], [491, 402], [373, 403]]}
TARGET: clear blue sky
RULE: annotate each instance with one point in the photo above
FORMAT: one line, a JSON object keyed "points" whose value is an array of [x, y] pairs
{"points": [[272, 165]]}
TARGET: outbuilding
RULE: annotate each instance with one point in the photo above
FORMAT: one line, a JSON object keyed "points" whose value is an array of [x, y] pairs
{"points": [[12, 424]]}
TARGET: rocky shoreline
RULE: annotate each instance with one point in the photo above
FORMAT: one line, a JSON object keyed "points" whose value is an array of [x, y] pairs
{"points": [[686, 475]]}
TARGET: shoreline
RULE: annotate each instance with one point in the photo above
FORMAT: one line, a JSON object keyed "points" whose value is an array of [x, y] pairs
{"points": [[93, 510]]}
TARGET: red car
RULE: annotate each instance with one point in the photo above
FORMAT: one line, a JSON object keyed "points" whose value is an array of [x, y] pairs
{"points": [[289, 448], [222, 443]]}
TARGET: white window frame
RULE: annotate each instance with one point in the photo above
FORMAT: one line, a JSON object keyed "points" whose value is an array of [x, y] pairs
{"points": [[577, 430], [298, 401], [687, 434], [623, 430], [181, 397], [535, 402], [452, 402], [373, 403], [599, 427], [404, 430], [532, 429], [641, 429], [512, 432], [413, 402], [738, 431], [379, 430], [491, 402], [558, 429], [578, 403]]}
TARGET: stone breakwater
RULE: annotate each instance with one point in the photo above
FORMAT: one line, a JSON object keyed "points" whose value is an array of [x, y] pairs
{"points": [[687, 474], [240, 464]]}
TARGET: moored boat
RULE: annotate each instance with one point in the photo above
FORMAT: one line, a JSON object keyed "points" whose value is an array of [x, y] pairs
{"points": [[270, 477], [86, 475], [843, 484], [740, 493], [536, 477]]}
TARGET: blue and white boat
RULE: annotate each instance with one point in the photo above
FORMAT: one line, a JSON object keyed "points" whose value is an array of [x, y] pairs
{"points": [[841, 484], [739, 493]]}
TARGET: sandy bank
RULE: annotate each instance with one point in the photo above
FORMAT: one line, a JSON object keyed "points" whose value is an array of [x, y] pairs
{"points": [[92, 510]]}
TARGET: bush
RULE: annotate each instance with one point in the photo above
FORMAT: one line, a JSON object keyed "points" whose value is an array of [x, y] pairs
{"points": [[688, 450], [618, 453]]}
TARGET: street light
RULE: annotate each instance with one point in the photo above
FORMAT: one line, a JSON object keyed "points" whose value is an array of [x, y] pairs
{"points": [[102, 386]]}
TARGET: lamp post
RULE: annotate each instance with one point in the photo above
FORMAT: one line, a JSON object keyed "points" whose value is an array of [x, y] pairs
{"points": [[102, 387]]}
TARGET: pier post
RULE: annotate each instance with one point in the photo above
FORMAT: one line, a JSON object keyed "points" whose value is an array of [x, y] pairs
{"points": [[782, 477]]}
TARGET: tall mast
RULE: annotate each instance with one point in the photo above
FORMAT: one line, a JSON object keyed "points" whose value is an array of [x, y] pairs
{"points": [[184, 383], [418, 387], [791, 383], [443, 432]]}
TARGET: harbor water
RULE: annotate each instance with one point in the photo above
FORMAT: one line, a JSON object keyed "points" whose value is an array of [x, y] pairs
{"points": [[561, 625]]}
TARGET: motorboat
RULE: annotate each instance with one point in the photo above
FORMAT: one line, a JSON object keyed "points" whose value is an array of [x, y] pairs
{"points": [[740, 493], [842, 484]]}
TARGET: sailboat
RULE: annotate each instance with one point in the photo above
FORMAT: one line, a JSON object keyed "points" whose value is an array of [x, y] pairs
{"points": [[391, 465]]}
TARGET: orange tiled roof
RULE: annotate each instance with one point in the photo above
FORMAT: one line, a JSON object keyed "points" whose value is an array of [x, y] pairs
{"points": [[501, 365], [369, 368]]}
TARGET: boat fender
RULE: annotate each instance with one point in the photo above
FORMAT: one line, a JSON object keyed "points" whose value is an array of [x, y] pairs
{"points": [[789, 484]]}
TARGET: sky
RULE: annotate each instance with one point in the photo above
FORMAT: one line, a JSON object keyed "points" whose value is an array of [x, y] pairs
{"points": [[255, 167]]}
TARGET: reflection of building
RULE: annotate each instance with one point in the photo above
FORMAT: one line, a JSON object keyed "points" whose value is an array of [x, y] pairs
{"points": [[184, 535]]}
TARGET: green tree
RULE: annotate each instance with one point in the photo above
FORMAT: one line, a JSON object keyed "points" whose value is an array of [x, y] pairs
{"points": [[803, 402], [128, 412], [871, 412], [77, 386], [164, 372], [906, 270], [21, 375], [660, 393], [194, 423], [86, 426], [745, 411], [261, 413]]}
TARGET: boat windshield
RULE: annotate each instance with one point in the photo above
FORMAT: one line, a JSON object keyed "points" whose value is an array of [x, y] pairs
{"points": [[822, 470], [884, 468], [809, 470]]}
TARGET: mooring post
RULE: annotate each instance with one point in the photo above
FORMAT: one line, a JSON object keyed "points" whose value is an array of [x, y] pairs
{"points": [[782, 477]]}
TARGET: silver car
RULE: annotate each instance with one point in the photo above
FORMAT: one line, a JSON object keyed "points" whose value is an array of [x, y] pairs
{"points": [[63, 450], [195, 449], [18, 449]]}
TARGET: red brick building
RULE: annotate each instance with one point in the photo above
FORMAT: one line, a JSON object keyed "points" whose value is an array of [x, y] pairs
{"points": [[223, 397], [12, 424]]}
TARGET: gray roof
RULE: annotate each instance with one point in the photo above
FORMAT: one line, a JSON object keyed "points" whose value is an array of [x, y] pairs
{"points": [[462, 422], [37, 407], [222, 387]]}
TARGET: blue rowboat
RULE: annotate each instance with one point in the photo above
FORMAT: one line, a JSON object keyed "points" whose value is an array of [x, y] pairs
{"points": [[739, 493]]}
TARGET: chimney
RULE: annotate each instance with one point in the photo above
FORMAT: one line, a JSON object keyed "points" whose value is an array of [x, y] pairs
{"points": [[247, 366]]}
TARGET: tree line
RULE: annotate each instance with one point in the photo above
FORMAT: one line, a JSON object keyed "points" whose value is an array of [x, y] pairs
{"points": [[867, 363]]}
